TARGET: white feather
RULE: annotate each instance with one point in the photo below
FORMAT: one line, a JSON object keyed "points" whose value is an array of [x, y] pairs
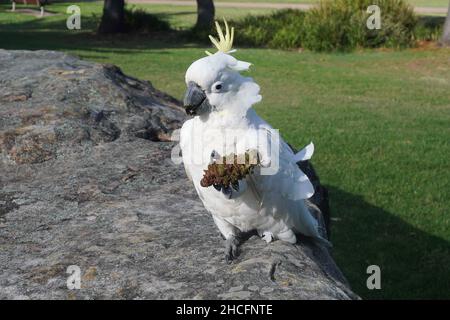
{"points": [[304, 154]]}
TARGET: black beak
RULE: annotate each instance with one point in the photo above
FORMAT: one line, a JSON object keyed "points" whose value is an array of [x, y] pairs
{"points": [[195, 101]]}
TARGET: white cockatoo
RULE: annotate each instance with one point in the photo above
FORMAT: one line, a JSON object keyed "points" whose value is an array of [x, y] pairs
{"points": [[272, 199]]}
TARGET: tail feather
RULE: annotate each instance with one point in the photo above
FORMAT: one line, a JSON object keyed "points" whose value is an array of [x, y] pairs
{"points": [[304, 154], [324, 242]]}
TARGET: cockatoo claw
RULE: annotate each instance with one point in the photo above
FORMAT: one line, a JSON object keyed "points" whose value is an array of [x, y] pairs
{"points": [[227, 191], [231, 248], [267, 237], [215, 155]]}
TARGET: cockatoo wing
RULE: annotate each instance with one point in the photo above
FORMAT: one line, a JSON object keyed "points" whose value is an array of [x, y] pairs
{"points": [[184, 136], [294, 183], [289, 181], [282, 194]]}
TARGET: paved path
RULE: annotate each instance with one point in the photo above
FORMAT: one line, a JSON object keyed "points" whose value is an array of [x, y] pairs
{"points": [[271, 5]]}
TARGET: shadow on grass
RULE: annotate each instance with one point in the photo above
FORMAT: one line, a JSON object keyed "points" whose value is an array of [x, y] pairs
{"points": [[414, 264], [53, 35]]}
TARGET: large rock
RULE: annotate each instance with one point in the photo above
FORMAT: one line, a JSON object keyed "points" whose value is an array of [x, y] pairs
{"points": [[86, 181]]}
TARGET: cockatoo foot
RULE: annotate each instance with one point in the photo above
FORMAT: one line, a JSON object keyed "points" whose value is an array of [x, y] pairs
{"points": [[267, 237], [231, 248], [232, 191]]}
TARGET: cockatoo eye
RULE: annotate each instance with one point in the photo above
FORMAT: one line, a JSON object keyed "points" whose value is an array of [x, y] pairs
{"points": [[216, 87]]}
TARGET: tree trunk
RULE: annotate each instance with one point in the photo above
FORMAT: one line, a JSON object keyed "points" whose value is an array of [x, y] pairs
{"points": [[445, 40], [113, 17], [205, 14]]}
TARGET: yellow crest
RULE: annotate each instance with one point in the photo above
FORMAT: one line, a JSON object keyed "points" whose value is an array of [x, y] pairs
{"points": [[225, 42]]}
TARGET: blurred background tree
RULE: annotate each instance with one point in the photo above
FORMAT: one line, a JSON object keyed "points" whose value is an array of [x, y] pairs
{"points": [[445, 40], [205, 14], [113, 17]]}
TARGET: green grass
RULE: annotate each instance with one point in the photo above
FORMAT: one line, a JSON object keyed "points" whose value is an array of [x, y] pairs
{"points": [[379, 120]]}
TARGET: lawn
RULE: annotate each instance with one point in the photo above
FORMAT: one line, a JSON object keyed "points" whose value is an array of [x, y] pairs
{"points": [[380, 120]]}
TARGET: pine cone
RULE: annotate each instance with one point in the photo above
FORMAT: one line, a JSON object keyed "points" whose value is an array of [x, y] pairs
{"points": [[225, 174]]}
